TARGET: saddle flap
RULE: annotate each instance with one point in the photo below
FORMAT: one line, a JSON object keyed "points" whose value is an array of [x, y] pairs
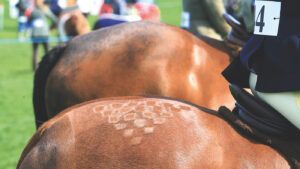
{"points": [[262, 116]]}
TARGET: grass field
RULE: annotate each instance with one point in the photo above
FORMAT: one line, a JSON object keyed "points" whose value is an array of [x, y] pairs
{"points": [[16, 81]]}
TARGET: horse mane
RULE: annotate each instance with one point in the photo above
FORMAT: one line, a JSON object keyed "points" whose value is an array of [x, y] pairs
{"points": [[40, 80]]}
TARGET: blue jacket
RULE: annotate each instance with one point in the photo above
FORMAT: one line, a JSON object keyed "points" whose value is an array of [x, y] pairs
{"points": [[275, 59]]}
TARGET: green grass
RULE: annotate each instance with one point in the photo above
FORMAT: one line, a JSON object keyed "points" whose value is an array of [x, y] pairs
{"points": [[16, 115], [16, 82], [10, 24]]}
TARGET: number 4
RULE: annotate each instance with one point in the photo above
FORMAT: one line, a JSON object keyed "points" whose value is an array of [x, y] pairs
{"points": [[260, 15]]}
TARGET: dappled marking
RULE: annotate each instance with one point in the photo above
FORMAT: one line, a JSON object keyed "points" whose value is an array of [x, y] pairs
{"points": [[159, 120], [148, 130], [148, 115], [139, 123], [120, 126], [113, 119], [130, 116], [128, 132], [166, 114]]}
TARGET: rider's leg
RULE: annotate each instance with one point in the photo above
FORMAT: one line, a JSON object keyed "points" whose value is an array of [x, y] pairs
{"points": [[286, 103], [46, 47], [34, 55]]}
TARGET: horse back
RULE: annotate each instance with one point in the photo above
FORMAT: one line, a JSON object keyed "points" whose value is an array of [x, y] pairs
{"points": [[143, 133], [141, 58]]}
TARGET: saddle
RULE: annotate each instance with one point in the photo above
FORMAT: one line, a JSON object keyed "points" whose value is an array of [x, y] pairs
{"points": [[262, 117]]}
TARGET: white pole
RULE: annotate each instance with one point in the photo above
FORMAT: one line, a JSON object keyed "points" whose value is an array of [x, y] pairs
{"points": [[1, 17]]}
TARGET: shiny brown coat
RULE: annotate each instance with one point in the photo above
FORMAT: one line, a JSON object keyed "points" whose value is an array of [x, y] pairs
{"points": [[143, 133], [140, 58]]}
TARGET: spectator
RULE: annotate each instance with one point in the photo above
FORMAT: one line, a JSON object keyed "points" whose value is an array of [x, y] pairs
{"points": [[23, 7], [204, 18], [39, 33], [54, 6], [85, 6]]}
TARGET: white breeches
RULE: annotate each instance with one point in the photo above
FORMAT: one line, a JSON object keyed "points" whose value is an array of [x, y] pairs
{"points": [[286, 103]]}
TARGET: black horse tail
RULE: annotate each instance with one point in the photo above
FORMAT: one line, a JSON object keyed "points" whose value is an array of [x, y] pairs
{"points": [[40, 80]]}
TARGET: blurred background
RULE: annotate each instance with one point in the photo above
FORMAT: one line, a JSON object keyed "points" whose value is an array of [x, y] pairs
{"points": [[16, 78]]}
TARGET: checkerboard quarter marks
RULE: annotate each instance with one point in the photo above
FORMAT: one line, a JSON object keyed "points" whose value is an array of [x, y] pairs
{"points": [[142, 133], [136, 118]]}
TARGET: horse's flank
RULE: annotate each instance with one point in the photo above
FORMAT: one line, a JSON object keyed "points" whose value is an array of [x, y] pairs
{"points": [[140, 133]]}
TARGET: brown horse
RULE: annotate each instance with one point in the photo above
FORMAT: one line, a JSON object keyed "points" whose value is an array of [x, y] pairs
{"points": [[140, 58], [72, 23], [77, 24], [143, 133]]}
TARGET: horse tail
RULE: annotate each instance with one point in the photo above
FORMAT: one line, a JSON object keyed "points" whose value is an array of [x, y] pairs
{"points": [[40, 80]]}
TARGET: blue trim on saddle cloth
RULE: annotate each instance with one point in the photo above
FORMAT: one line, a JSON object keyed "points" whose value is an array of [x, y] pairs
{"points": [[251, 47]]}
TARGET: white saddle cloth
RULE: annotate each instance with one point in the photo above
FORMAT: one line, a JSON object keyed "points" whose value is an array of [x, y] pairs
{"points": [[286, 103]]}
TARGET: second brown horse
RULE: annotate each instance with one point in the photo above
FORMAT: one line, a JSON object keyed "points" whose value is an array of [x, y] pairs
{"points": [[140, 58]]}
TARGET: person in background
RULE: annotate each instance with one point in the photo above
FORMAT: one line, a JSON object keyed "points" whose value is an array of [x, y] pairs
{"points": [[85, 6], [113, 6], [23, 7], [54, 6], [44, 6], [39, 33], [205, 18], [130, 8]]}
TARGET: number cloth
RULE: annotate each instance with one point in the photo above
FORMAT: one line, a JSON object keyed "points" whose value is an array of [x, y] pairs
{"points": [[267, 16], [275, 59]]}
